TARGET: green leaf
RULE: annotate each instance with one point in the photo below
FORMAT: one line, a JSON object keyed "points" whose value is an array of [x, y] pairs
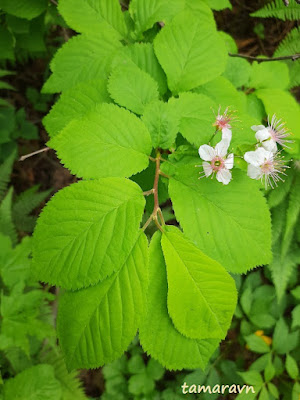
{"points": [[269, 75], [15, 266], [291, 45], [143, 56], [223, 93], [155, 370], [196, 116], [110, 141], [158, 335], [6, 44], [264, 395], [71, 385], [28, 9], [96, 325], [296, 292], [252, 378], [82, 59], [90, 16], [275, 197], [5, 171], [132, 88], [281, 269], [296, 317], [162, 122], [257, 344], [231, 224], [75, 103], [35, 383], [186, 49], [284, 105], [273, 390], [296, 391], [218, 4], [6, 222], [292, 214], [140, 384], [201, 294], [86, 232], [237, 71], [283, 341], [269, 372], [291, 366], [145, 13], [278, 9], [136, 364]]}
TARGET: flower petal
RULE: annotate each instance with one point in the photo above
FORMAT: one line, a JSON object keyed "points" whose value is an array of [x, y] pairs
{"points": [[270, 145], [256, 128], [207, 153], [226, 134], [224, 176], [263, 134], [256, 157], [222, 147], [254, 172], [207, 168], [229, 161]]}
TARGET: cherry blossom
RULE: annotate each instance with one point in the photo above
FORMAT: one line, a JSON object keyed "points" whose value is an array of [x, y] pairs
{"points": [[265, 165], [216, 161], [275, 133]]}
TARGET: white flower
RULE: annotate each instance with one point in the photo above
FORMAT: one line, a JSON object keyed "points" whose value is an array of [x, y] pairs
{"points": [[217, 161], [223, 123], [265, 165], [274, 133]]}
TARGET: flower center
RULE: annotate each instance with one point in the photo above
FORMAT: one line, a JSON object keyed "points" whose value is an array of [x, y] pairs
{"points": [[267, 167], [222, 122], [273, 134], [217, 163]]}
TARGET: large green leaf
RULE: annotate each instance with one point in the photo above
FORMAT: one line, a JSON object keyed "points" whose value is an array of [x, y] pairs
{"points": [[24, 8], [292, 215], [86, 231], [196, 116], [186, 49], [162, 121], [96, 325], [158, 336], [219, 4], [230, 224], [74, 104], [142, 55], [82, 59], [109, 141], [269, 75], [132, 88], [284, 105], [201, 294], [145, 13], [35, 383], [224, 94], [90, 16]]}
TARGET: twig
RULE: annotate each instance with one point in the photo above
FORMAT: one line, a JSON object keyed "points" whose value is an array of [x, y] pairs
{"points": [[54, 2], [22, 158], [156, 208], [292, 57]]}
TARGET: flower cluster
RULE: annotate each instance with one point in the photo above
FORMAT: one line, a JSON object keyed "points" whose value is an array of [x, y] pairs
{"points": [[264, 163]]}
